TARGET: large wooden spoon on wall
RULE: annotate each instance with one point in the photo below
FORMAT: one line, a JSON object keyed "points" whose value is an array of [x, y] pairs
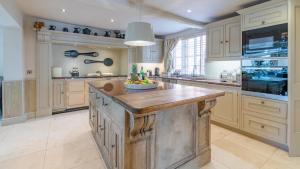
{"points": [[106, 62]]}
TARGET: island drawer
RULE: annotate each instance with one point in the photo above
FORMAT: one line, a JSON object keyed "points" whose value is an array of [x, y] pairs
{"points": [[268, 107], [265, 128]]}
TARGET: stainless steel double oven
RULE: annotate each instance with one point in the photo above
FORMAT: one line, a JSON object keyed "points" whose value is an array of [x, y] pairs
{"points": [[265, 62]]}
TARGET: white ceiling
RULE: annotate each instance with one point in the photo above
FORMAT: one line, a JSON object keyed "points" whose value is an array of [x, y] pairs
{"points": [[98, 13]]}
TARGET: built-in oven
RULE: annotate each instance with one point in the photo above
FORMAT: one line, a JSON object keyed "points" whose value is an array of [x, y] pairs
{"points": [[265, 77], [266, 42]]}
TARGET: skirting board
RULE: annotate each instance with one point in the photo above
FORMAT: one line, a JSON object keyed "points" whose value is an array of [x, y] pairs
{"points": [[14, 120]]}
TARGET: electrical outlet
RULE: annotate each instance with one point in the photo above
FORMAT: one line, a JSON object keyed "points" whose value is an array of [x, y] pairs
{"points": [[29, 72]]}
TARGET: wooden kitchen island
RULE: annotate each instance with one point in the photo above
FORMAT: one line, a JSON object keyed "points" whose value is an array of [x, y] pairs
{"points": [[165, 128]]}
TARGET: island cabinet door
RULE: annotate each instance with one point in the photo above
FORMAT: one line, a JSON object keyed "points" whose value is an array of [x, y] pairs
{"points": [[116, 145], [91, 110], [104, 135]]}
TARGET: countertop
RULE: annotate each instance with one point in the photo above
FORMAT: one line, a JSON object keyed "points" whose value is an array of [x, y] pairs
{"points": [[144, 101], [209, 81], [88, 77]]}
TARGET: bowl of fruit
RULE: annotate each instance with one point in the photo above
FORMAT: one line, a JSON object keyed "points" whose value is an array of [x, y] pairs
{"points": [[141, 84]]}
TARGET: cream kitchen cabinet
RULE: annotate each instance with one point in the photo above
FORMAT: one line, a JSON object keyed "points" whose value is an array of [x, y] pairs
{"points": [[265, 118], [226, 110], [148, 54], [216, 42], [58, 95], [224, 39], [267, 14], [75, 95]]}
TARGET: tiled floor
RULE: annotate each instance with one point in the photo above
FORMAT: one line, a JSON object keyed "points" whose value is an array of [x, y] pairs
{"points": [[65, 142]]}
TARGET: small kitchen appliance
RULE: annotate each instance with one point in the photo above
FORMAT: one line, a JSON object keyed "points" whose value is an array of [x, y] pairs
{"points": [[156, 72], [74, 72]]}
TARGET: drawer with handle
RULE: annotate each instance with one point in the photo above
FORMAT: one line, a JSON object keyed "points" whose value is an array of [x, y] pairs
{"points": [[264, 106], [75, 85], [267, 129]]}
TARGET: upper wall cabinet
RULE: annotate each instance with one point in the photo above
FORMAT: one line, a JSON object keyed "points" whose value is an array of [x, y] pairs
{"points": [[267, 14], [148, 54], [224, 39]]}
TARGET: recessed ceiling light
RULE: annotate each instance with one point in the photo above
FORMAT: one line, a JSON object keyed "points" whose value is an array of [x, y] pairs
{"points": [[189, 11], [63, 10], [112, 20]]}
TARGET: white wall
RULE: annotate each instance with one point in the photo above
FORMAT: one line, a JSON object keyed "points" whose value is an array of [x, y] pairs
{"points": [[59, 60], [213, 69], [124, 61], [13, 65], [29, 47], [13, 10], [13, 54], [1, 52]]}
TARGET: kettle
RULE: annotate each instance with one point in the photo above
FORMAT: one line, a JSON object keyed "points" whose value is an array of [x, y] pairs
{"points": [[74, 72]]}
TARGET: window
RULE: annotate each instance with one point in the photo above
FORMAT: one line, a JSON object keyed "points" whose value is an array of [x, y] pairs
{"points": [[190, 55]]}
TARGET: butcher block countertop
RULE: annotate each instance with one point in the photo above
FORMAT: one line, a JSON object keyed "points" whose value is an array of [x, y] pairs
{"points": [[144, 101]]}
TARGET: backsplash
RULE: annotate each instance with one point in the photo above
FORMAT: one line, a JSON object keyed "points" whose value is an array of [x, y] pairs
{"points": [[151, 66], [66, 63], [214, 69]]}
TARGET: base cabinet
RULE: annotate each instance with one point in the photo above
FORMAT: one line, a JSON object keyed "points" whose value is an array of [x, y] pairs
{"points": [[265, 118], [108, 135], [226, 110], [116, 148], [58, 95], [143, 141], [259, 117]]}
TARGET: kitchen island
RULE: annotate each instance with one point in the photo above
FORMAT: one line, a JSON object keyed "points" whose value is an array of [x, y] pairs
{"points": [[164, 128]]}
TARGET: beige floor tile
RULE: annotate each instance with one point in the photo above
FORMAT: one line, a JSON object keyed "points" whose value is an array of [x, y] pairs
{"points": [[218, 133], [24, 139], [249, 143], [71, 155], [236, 157], [95, 164], [30, 161], [281, 160], [214, 165], [65, 142]]}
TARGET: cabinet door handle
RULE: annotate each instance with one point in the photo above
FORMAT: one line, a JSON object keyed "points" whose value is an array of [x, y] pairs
{"points": [[263, 22], [113, 146], [101, 128], [262, 126], [104, 104], [227, 41], [262, 102], [221, 42]]}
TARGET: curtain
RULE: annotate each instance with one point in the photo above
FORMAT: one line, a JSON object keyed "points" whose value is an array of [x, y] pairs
{"points": [[169, 45]]}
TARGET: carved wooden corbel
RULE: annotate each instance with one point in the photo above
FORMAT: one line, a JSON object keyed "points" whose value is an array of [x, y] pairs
{"points": [[204, 107], [141, 125]]}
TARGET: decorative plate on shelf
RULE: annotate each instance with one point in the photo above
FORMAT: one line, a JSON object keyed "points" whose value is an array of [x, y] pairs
{"points": [[152, 85]]}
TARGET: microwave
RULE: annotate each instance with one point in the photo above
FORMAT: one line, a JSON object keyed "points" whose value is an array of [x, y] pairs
{"points": [[267, 42]]}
